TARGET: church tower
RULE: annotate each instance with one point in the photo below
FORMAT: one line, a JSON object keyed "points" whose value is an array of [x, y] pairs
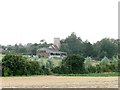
{"points": [[57, 42]]}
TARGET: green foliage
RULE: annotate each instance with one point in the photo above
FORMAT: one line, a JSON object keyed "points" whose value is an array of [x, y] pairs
{"points": [[90, 65], [106, 47], [14, 65], [72, 44], [105, 61], [87, 49], [73, 64], [91, 74], [105, 65], [91, 69]]}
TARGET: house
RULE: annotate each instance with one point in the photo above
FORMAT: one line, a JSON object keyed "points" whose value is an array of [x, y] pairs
{"points": [[52, 51]]}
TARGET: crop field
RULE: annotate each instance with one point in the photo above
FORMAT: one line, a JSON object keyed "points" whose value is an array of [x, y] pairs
{"points": [[60, 82]]}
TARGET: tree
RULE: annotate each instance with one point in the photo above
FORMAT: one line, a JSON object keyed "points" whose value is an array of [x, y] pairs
{"points": [[87, 49], [109, 47], [14, 65], [105, 63], [106, 47], [72, 44], [73, 64]]}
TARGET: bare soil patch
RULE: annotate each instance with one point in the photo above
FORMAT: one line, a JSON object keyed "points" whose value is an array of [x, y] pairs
{"points": [[60, 82]]}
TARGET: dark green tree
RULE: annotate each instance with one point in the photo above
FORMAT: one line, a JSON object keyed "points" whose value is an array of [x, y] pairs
{"points": [[87, 49], [14, 63], [73, 64], [72, 44]]}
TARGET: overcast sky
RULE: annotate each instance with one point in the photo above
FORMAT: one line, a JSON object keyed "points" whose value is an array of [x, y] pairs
{"points": [[29, 21]]}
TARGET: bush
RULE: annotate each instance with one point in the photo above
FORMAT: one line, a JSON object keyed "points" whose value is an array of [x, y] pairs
{"points": [[98, 68], [88, 64], [104, 64], [57, 70], [5, 72], [73, 64], [14, 65], [91, 69]]}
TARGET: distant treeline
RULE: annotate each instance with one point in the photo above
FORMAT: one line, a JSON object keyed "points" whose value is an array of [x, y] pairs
{"points": [[72, 45]]}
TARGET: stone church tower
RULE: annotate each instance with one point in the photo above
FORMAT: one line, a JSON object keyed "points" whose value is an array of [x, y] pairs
{"points": [[57, 42]]}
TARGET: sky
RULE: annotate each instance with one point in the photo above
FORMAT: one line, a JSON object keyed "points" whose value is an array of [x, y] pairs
{"points": [[29, 21]]}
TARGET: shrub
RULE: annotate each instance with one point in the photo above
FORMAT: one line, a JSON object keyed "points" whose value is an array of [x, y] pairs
{"points": [[91, 69], [104, 64], [73, 64], [14, 65], [98, 68], [88, 64]]}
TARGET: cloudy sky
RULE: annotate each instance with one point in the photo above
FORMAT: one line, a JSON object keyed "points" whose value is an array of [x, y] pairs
{"points": [[29, 21]]}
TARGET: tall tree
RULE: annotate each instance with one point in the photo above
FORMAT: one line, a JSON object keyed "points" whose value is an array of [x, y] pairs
{"points": [[72, 44], [87, 49]]}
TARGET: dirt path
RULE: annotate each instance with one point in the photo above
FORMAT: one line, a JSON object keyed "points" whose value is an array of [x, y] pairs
{"points": [[60, 82]]}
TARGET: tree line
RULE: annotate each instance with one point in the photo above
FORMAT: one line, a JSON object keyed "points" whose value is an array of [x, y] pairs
{"points": [[72, 45]]}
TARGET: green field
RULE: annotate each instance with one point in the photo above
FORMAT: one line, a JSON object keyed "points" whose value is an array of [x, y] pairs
{"points": [[44, 61], [92, 74]]}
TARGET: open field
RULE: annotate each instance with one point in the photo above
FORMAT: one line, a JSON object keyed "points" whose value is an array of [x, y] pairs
{"points": [[60, 82]]}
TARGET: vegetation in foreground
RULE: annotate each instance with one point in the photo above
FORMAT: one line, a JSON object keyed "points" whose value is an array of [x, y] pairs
{"points": [[73, 65]]}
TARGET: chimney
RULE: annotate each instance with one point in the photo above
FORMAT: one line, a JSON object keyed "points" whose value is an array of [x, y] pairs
{"points": [[57, 42]]}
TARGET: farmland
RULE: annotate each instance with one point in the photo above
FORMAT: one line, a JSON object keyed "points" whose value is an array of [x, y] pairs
{"points": [[60, 82]]}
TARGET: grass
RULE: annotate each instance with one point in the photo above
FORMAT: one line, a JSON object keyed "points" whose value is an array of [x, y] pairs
{"points": [[91, 74], [72, 75], [43, 61]]}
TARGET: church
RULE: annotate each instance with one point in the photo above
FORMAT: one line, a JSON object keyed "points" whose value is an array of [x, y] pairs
{"points": [[52, 51]]}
